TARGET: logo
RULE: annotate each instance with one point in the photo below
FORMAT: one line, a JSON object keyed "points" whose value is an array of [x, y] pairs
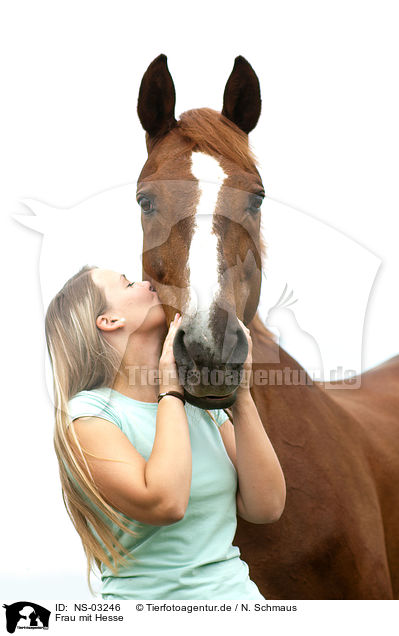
{"points": [[26, 615]]}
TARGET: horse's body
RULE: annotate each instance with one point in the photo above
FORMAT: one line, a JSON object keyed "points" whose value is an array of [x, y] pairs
{"points": [[339, 448], [338, 537]]}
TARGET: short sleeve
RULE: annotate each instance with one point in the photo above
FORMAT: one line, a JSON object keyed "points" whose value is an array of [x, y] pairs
{"points": [[220, 416], [92, 404]]}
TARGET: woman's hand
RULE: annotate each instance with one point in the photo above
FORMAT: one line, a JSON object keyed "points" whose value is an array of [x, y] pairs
{"points": [[168, 375], [246, 381]]}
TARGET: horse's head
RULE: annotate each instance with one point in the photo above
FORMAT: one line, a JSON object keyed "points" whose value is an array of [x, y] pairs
{"points": [[200, 195]]}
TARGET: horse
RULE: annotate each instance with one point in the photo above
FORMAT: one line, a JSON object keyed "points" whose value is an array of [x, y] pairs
{"points": [[338, 537]]}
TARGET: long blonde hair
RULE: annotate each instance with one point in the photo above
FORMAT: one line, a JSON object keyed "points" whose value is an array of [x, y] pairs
{"points": [[83, 360]]}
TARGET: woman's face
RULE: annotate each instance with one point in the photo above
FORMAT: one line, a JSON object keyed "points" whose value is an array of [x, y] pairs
{"points": [[135, 302]]}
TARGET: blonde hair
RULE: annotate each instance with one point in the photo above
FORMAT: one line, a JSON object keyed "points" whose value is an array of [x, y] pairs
{"points": [[83, 360]]}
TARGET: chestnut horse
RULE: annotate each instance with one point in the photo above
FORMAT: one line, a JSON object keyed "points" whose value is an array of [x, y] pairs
{"points": [[200, 195]]}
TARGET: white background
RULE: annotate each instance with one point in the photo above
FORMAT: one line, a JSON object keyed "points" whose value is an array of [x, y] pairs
{"points": [[327, 142]]}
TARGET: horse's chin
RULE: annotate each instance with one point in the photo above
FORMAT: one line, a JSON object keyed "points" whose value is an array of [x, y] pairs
{"points": [[211, 402]]}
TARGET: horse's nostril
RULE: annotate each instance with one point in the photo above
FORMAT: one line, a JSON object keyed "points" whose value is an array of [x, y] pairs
{"points": [[197, 353], [240, 350]]}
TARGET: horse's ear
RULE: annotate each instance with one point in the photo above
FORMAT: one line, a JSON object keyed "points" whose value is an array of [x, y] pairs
{"points": [[241, 99], [157, 98]]}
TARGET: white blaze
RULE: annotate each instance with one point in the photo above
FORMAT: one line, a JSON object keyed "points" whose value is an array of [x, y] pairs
{"points": [[202, 260]]}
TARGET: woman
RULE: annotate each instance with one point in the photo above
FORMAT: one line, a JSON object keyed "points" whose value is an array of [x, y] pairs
{"points": [[150, 486]]}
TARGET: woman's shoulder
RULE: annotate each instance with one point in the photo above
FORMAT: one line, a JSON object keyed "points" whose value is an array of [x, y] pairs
{"points": [[100, 395], [109, 404], [94, 403]]}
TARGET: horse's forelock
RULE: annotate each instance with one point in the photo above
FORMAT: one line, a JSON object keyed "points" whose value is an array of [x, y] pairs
{"points": [[208, 131]]}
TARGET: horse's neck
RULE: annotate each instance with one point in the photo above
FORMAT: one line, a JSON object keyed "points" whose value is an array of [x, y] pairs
{"points": [[288, 401], [280, 383], [266, 352]]}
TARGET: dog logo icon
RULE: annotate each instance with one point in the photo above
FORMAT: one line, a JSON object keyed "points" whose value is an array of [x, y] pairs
{"points": [[26, 615]]}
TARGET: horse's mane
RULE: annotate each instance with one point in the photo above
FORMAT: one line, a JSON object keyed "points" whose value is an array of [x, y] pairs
{"points": [[264, 336], [208, 131]]}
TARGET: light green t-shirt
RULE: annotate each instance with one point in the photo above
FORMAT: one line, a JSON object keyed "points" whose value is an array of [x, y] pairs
{"points": [[193, 558]]}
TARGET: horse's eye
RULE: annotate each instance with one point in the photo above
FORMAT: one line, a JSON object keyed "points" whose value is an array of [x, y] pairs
{"points": [[146, 205], [255, 203]]}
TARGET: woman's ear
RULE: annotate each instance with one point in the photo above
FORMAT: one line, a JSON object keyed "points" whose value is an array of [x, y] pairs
{"points": [[106, 323]]}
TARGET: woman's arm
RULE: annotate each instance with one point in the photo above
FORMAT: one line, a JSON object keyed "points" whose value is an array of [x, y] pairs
{"points": [[169, 467], [261, 485], [154, 491], [264, 488], [261, 491]]}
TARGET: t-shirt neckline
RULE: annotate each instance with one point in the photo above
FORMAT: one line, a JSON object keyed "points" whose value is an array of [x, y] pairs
{"points": [[126, 397]]}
